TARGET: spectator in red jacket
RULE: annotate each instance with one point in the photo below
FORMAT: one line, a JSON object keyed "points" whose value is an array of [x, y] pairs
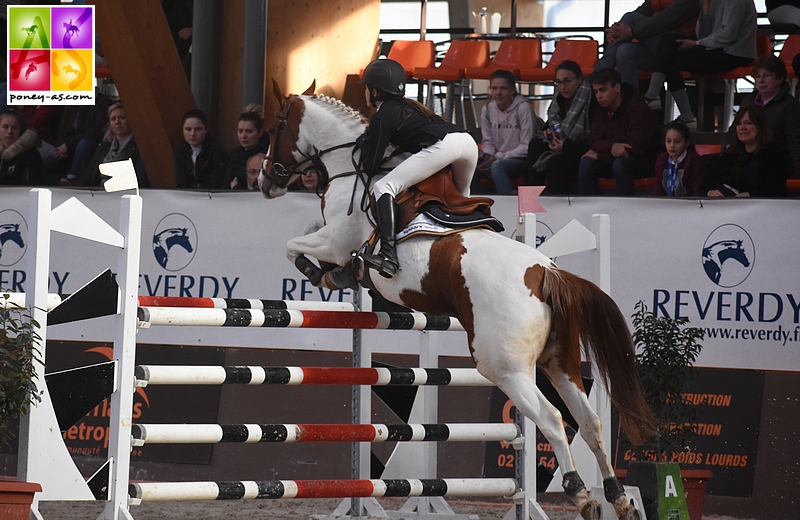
{"points": [[623, 139]]}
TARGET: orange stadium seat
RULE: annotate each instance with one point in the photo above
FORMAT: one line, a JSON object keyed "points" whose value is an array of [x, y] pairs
{"points": [[582, 52], [513, 55]]}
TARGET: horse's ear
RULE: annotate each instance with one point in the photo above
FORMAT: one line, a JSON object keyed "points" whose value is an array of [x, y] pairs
{"points": [[310, 90], [276, 90]]}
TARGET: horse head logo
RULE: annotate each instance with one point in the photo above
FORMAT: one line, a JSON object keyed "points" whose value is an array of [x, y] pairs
{"points": [[174, 242], [736, 246], [13, 229], [10, 232]]}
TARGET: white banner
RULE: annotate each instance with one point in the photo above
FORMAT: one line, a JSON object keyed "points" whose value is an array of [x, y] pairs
{"points": [[730, 266]]}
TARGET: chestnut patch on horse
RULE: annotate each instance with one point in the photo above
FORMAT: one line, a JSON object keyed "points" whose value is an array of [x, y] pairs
{"points": [[534, 279], [443, 290]]}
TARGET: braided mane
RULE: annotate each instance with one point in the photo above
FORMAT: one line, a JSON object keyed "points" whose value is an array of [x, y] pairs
{"points": [[350, 116]]}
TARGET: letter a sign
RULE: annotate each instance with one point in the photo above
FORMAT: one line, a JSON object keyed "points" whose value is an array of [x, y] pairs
{"points": [[672, 501]]}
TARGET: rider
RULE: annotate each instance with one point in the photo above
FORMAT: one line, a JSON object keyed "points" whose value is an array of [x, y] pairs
{"points": [[413, 128]]}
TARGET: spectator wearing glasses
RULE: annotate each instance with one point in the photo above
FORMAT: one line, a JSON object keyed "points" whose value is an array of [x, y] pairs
{"points": [[310, 181], [773, 95], [556, 152], [253, 169]]}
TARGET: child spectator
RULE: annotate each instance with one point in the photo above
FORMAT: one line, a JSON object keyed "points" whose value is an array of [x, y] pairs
{"points": [[557, 152], [25, 167], [118, 145], [200, 161], [250, 132], [507, 125], [751, 165], [773, 95], [623, 136], [680, 170]]}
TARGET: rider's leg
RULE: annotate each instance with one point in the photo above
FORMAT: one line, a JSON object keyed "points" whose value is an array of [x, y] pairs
{"points": [[386, 261], [464, 165]]}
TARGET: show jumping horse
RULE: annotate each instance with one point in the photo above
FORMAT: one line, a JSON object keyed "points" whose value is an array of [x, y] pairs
{"points": [[516, 306]]}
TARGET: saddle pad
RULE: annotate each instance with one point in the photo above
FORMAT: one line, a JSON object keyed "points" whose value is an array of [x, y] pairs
{"points": [[423, 224]]}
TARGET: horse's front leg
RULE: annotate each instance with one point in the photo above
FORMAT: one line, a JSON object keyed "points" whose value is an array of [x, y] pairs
{"points": [[316, 244]]}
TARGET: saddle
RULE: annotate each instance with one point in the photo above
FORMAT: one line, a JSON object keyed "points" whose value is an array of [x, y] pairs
{"points": [[438, 198]]}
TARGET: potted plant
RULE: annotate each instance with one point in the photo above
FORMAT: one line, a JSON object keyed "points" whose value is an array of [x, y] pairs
{"points": [[19, 351], [667, 349]]}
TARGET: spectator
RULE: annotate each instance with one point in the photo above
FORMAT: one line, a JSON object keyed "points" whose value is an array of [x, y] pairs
{"points": [[253, 170], [79, 132], [43, 119], [310, 181], [751, 165], [200, 161], [796, 66], [556, 153], [680, 170], [783, 12], [507, 125], [118, 145], [24, 167], [250, 132], [726, 39], [646, 24], [782, 110], [179, 15], [623, 135]]}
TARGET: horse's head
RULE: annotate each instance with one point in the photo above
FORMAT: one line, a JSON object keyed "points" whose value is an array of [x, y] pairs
{"points": [[280, 166]]}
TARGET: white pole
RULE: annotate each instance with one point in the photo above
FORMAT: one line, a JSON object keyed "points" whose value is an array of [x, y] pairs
{"points": [[119, 448]]}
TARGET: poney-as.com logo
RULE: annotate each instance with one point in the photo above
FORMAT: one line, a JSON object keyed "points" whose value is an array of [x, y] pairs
{"points": [[13, 233], [728, 255], [175, 242]]}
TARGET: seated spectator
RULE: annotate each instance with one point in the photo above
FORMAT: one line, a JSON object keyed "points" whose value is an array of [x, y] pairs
{"points": [[252, 140], [79, 132], [623, 138], [751, 165], [796, 66], [507, 125], [726, 39], [783, 12], [24, 166], [118, 145], [253, 170], [556, 153], [310, 181], [44, 119], [773, 95], [200, 161], [680, 170], [646, 25]]}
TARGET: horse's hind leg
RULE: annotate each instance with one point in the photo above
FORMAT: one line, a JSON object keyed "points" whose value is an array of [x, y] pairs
{"points": [[521, 389], [591, 431]]}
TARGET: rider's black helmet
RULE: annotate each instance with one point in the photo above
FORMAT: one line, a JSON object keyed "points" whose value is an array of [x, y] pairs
{"points": [[386, 75]]}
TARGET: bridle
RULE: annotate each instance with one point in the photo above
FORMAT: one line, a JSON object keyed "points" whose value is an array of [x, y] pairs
{"points": [[280, 173]]}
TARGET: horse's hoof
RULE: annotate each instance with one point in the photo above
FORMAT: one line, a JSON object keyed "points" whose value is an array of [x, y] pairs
{"points": [[624, 510], [311, 271], [591, 510]]}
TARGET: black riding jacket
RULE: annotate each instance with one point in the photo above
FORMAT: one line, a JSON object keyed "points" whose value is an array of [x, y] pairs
{"points": [[398, 124]]}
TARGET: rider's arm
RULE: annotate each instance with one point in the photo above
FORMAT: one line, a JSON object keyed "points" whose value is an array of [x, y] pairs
{"points": [[375, 142]]}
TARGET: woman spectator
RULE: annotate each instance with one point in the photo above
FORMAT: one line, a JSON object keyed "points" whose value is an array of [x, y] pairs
{"points": [[25, 167], [680, 170], [751, 165], [200, 161], [726, 39], [557, 153], [118, 145], [507, 125], [773, 95], [250, 132]]}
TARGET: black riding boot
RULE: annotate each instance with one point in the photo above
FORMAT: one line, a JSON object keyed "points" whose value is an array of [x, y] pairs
{"points": [[385, 262]]}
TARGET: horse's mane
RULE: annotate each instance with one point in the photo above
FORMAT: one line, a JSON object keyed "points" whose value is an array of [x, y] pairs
{"points": [[350, 116]]}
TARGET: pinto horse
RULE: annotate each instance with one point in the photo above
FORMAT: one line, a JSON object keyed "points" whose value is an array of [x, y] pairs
{"points": [[517, 307]]}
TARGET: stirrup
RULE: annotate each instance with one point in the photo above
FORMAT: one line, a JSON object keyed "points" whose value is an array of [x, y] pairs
{"points": [[384, 266]]}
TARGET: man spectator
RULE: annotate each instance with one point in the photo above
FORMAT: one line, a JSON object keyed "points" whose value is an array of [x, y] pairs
{"points": [[623, 139], [646, 24]]}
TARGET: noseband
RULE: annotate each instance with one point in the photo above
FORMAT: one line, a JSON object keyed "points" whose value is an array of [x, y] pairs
{"points": [[280, 173]]}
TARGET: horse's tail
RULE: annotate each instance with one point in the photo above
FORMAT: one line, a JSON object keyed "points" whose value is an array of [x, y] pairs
{"points": [[582, 312]]}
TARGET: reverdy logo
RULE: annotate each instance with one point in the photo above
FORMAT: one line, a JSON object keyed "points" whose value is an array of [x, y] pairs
{"points": [[13, 230], [728, 255], [175, 242]]}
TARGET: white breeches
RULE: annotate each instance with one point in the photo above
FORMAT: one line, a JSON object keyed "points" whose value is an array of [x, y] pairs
{"points": [[457, 149]]}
